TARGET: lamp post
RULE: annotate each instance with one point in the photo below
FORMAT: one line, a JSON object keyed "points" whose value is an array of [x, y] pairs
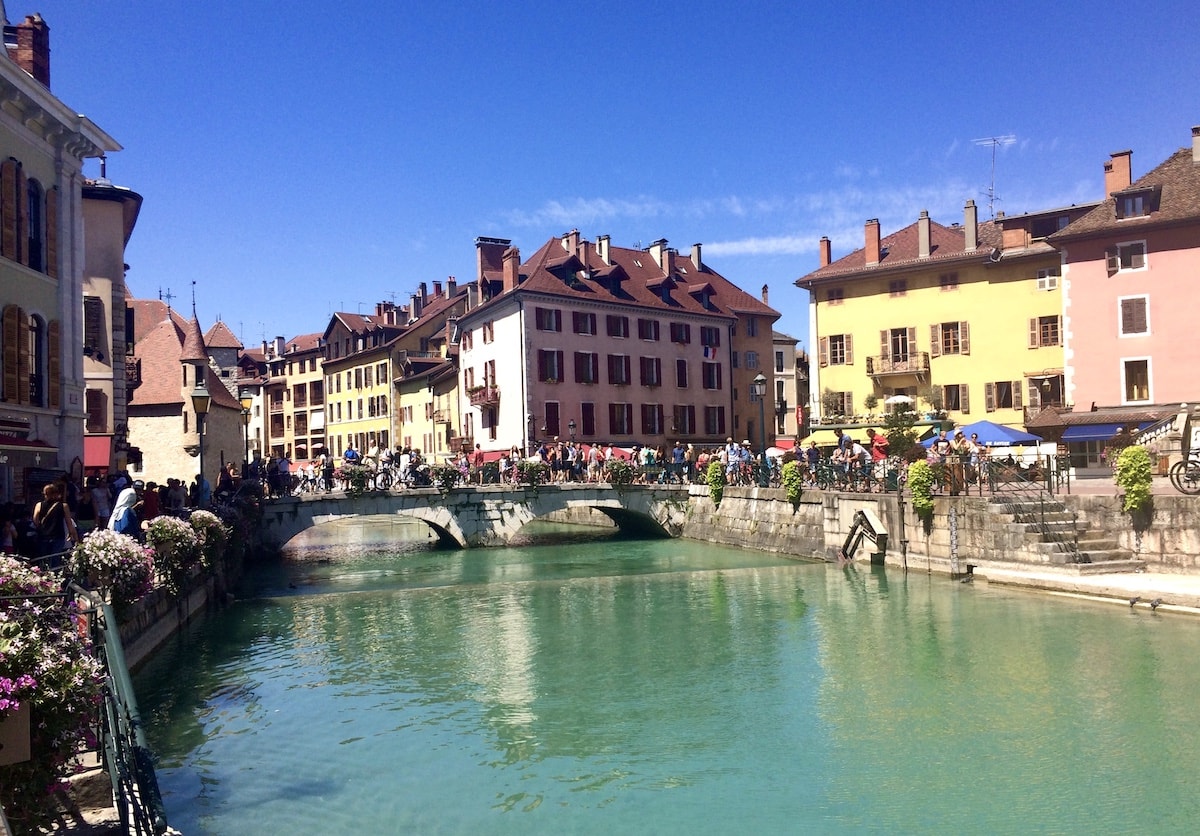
{"points": [[201, 400], [759, 390], [246, 402]]}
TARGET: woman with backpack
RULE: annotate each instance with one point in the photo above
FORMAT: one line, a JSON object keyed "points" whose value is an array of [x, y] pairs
{"points": [[55, 526]]}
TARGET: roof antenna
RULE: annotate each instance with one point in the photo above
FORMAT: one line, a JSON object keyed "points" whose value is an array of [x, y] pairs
{"points": [[995, 142]]}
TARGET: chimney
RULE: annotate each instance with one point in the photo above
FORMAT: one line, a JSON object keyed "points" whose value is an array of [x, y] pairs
{"points": [[512, 268], [1196, 144], [669, 261], [424, 292], [657, 249], [602, 249], [472, 296], [872, 245], [970, 227], [489, 255], [1117, 172], [451, 287], [923, 233], [451, 322], [826, 248], [696, 258], [28, 45], [279, 343], [437, 289], [417, 303], [764, 295], [570, 242]]}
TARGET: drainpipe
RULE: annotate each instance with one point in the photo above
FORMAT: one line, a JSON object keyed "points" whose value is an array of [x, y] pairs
{"points": [[528, 410]]}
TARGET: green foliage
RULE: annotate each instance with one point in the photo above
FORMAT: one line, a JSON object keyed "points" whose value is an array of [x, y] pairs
{"points": [[445, 476], [902, 438], [715, 477], [920, 483], [618, 471], [1134, 477], [356, 477], [793, 481], [533, 471], [177, 549], [117, 566], [213, 535], [871, 401]]}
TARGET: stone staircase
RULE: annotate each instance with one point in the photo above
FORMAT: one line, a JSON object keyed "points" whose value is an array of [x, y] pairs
{"points": [[1053, 535]]}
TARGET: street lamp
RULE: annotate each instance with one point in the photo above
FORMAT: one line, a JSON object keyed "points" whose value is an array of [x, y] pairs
{"points": [[246, 403], [758, 389], [201, 400], [571, 429]]}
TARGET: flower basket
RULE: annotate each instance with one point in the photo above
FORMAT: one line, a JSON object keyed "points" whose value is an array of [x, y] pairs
{"points": [[176, 551], [357, 478], [445, 476], [117, 566], [213, 535], [618, 472]]}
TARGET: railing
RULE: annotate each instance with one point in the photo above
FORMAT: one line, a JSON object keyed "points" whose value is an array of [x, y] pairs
{"points": [[441, 416], [486, 395], [133, 372], [917, 362]]}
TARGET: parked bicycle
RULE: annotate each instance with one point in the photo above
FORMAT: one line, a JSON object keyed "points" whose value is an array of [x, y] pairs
{"points": [[1185, 475]]}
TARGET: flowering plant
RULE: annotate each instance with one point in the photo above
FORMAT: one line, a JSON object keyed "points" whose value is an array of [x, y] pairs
{"points": [[176, 550], [213, 535], [617, 471], [115, 564], [45, 663], [446, 476], [356, 477]]}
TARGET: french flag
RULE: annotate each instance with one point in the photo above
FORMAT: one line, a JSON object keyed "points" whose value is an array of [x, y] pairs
{"points": [[710, 353]]}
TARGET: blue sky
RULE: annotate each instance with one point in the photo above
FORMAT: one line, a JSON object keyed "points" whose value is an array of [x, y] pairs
{"points": [[302, 158]]}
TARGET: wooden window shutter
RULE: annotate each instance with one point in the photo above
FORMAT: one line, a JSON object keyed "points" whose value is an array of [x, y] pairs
{"points": [[849, 344], [23, 359], [848, 403], [560, 370], [885, 345], [935, 340], [1034, 396], [964, 338], [12, 315], [581, 369], [1058, 329], [989, 397], [612, 417], [8, 209], [612, 368], [541, 371], [644, 371], [718, 365], [964, 401], [22, 198], [1033, 332], [823, 351], [51, 222], [912, 341], [1016, 389], [53, 364]]}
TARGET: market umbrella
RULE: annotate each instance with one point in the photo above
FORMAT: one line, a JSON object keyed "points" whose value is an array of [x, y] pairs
{"points": [[895, 399], [993, 435]]}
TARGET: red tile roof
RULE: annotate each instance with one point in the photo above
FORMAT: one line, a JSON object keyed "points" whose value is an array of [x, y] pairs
{"points": [[194, 350], [148, 313], [303, 342], [161, 353], [219, 336]]}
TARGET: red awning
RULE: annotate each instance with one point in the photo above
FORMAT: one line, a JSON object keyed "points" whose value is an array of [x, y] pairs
{"points": [[97, 452], [785, 443]]}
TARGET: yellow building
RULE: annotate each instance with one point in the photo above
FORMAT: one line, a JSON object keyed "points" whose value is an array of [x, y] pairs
{"points": [[964, 320]]}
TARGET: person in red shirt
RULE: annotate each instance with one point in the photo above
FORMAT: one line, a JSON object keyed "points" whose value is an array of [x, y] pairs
{"points": [[477, 462], [879, 451]]}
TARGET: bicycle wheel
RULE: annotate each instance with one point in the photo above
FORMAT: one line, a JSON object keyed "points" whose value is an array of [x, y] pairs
{"points": [[384, 480], [1185, 477]]}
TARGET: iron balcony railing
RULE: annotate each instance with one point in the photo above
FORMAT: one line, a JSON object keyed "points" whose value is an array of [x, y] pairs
{"points": [[916, 362]]}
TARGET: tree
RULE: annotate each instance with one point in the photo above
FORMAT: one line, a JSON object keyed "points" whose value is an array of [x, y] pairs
{"points": [[902, 438]]}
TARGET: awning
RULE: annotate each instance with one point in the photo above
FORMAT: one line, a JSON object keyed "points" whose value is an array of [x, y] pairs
{"points": [[97, 452], [1096, 432], [27, 452], [785, 443], [824, 438]]}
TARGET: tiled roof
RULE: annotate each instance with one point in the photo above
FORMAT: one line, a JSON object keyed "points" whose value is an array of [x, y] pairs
{"points": [[159, 352], [1051, 417], [194, 349], [901, 249], [1178, 177], [304, 342], [148, 313], [640, 279], [219, 336]]}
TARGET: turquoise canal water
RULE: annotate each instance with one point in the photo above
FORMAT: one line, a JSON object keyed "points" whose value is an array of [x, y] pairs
{"points": [[668, 687]]}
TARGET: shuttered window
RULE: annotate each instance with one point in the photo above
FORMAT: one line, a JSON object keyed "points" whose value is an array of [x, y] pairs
{"points": [[1135, 315]]}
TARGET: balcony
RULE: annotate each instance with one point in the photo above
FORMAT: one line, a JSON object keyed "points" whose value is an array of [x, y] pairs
{"points": [[916, 363], [484, 396], [441, 416], [133, 372]]}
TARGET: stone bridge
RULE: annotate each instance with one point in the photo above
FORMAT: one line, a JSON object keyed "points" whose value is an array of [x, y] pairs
{"points": [[490, 515]]}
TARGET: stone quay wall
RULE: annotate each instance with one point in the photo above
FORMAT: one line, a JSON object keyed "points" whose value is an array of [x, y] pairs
{"points": [[1168, 538]]}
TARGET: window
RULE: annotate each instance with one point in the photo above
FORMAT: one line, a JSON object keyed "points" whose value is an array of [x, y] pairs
{"points": [[898, 287], [583, 323], [1130, 256], [835, 295], [897, 343], [489, 332], [681, 373], [651, 369], [714, 420], [1048, 279], [587, 367], [550, 366], [955, 397], [618, 369], [836, 350], [648, 329], [1134, 315], [618, 326], [949, 338], [683, 419], [710, 336], [711, 375], [752, 326], [587, 414], [467, 341], [948, 281], [751, 359], [1137, 204], [1004, 394], [1135, 379], [681, 332], [652, 419], [778, 362], [96, 403], [734, 359], [620, 419], [547, 319], [1045, 331], [838, 403]]}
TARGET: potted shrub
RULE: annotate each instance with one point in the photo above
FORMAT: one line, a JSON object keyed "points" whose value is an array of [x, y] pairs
{"points": [[793, 482], [715, 477], [176, 551], [117, 566], [920, 483]]}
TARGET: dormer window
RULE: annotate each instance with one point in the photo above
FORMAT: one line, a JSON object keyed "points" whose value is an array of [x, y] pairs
{"points": [[1136, 204]]}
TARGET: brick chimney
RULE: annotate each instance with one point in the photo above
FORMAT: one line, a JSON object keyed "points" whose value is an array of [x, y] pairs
{"points": [[970, 227], [872, 245], [1118, 173], [512, 269], [28, 45], [489, 255], [764, 295], [826, 247], [923, 233], [437, 288], [451, 286], [696, 257], [570, 242]]}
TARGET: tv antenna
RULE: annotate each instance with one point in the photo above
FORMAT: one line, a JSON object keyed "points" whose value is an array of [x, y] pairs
{"points": [[995, 142]]}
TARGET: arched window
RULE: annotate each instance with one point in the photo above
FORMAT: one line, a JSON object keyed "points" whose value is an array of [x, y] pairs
{"points": [[37, 365]]}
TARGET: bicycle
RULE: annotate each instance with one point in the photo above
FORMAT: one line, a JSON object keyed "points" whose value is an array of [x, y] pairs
{"points": [[1185, 475]]}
